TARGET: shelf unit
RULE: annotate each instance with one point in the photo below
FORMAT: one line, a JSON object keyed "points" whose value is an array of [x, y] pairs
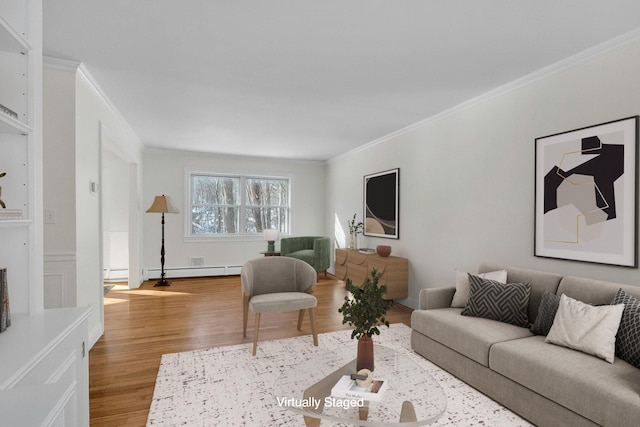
{"points": [[44, 374], [21, 250]]}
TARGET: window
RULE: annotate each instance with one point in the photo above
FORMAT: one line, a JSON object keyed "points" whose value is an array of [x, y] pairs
{"points": [[228, 205]]}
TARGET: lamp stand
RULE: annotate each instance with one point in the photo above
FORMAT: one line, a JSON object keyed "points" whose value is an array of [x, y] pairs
{"points": [[162, 281], [271, 246]]}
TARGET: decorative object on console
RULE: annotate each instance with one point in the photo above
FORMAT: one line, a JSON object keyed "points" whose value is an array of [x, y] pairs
{"points": [[381, 204], [383, 250], [162, 204], [354, 230], [364, 310], [585, 202], [271, 235]]}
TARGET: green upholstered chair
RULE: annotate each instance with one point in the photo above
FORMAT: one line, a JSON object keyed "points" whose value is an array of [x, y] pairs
{"points": [[314, 250], [273, 284]]}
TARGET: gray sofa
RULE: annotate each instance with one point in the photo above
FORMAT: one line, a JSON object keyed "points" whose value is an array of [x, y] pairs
{"points": [[548, 385]]}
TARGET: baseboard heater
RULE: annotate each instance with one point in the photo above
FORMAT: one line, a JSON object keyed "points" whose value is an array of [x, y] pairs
{"points": [[226, 270]]}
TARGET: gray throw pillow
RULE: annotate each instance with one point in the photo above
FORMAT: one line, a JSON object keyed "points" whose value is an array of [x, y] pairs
{"points": [[546, 313], [506, 303], [628, 338]]}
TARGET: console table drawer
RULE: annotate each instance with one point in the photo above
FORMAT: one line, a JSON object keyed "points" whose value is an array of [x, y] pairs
{"points": [[355, 265]]}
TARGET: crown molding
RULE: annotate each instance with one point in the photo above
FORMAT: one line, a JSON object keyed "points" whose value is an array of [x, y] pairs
{"points": [[567, 63], [60, 64], [81, 70]]}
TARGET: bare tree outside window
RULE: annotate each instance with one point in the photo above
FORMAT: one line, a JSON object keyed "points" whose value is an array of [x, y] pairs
{"points": [[236, 205], [268, 205]]}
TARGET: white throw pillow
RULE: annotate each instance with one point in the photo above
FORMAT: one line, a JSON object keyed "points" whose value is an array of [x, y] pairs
{"points": [[461, 295], [586, 328]]}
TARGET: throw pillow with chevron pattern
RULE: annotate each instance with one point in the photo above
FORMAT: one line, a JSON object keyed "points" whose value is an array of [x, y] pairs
{"points": [[506, 303], [628, 337]]}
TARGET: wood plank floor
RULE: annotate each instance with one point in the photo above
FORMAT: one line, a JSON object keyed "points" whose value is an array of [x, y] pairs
{"points": [[143, 324]]}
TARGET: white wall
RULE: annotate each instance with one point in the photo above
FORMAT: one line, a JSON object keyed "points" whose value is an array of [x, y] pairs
{"points": [[59, 192], [78, 120], [115, 215], [94, 115], [164, 173], [467, 177]]}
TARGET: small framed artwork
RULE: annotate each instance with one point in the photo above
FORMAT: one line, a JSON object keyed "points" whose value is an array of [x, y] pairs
{"points": [[381, 204], [586, 191]]}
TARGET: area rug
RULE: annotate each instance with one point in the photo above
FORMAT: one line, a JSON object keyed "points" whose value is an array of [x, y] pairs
{"points": [[227, 386]]}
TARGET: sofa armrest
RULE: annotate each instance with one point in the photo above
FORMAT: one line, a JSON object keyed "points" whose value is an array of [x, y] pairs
{"points": [[431, 298], [322, 253]]}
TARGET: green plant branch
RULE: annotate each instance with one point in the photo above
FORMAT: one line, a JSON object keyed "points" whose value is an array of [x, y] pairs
{"points": [[365, 309]]}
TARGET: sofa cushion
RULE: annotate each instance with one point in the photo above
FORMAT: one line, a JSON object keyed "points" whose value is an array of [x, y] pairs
{"points": [[502, 302], [628, 338], [586, 328], [470, 336], [540, 282], [608, 394], [546, 313], [306, 255], [461, 296]]}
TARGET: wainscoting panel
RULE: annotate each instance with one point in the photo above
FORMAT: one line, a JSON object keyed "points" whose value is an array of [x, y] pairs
{"points": [[59, 280]]}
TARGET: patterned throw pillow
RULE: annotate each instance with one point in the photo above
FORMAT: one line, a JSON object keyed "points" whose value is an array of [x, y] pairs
{"points": [[506, 303], [546, 313], [586, 328], [628, 338], [461, 296]]}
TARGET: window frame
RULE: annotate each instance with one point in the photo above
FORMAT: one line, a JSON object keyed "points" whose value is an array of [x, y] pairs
{"points": [[243, 175]]}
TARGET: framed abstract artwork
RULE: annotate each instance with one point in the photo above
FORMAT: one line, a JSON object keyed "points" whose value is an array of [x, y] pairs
{"points": [[381, 204], [586, 190]]}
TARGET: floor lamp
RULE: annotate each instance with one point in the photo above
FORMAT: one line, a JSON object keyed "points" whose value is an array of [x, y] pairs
{"points": [[162, 204]]}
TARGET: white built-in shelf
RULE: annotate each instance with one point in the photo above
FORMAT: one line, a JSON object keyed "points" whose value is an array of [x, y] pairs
{"points": [[9, 124], [15, 222], [10, 39]]}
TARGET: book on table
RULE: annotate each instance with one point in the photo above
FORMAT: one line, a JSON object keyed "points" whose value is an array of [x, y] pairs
{"points": [[347, 388]]}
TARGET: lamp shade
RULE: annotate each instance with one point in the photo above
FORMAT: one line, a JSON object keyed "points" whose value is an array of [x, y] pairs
{"points": [[163, 204], [271, 235]]}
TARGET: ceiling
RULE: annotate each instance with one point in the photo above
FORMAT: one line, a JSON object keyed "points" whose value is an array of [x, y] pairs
{"points": [[311, 79]]}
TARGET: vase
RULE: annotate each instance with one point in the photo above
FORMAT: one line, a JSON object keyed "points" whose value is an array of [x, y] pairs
{"points": [[353, 241], [364, 359], [383, 250]]}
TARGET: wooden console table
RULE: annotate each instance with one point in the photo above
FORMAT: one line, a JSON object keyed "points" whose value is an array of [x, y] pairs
{"points": [[356, 265]]}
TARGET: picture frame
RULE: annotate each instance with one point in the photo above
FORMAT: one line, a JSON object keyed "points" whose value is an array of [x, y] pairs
{"points": [[586, 192], [382, 204]]}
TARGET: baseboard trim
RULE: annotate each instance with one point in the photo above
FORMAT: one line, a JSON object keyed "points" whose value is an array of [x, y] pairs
{"points": [[223, 270]]}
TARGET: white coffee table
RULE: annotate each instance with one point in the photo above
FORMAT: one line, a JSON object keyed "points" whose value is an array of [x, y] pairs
{"points": [[413, 397]]}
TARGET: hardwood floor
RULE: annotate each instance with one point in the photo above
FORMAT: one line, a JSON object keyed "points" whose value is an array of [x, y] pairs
{"points": [[143, 324]]}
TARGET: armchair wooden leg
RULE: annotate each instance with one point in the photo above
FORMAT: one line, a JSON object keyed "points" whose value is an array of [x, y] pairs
{"points": [[300, 318], [255, 333], [245, 313], [313, 327]]}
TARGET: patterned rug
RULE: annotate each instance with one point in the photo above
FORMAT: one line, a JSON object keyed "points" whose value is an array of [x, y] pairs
{"points": [[226, 386]]}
